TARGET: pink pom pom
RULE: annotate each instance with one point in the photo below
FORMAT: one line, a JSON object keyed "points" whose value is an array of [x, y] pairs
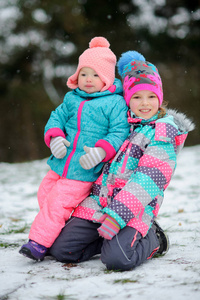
{"points": [[99, 42]]}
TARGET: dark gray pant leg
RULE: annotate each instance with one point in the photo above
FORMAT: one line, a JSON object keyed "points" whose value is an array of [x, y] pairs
{"points": [[78, 241], [128, 249]]}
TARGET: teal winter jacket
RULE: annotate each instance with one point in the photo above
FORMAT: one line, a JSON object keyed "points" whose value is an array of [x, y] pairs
{"points": [[94, 120]]}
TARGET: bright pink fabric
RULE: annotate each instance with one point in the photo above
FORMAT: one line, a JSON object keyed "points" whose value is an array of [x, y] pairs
{"points": [[131, 88], [162, 166], [112, 88], [57, 197], [130, 200], [180, 139], [161, 132], [110, 150], [53, 132]]}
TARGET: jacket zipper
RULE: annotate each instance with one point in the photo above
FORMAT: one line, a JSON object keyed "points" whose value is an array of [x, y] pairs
{"points": [[126, 158], [65, 171]]}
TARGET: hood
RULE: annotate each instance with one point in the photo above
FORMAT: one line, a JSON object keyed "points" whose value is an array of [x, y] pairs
{"points": [[116, 88], [181, 120]]}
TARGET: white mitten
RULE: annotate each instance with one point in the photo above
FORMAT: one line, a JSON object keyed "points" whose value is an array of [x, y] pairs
{"points": [[92, 157], [58, 146]]}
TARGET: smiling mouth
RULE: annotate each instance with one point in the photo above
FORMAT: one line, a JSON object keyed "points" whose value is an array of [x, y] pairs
{"points": [[145, 110]]}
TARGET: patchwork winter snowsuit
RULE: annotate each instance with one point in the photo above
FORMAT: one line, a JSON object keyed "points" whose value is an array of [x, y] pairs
{"points": [[131, 187], [93, 120], [131, 190]]}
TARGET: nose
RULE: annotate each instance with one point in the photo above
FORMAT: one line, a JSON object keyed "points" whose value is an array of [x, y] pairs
{"points": [[145, 101], [89, 78]]}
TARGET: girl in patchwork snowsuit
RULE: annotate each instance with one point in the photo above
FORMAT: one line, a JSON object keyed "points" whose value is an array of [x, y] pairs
{"points": [[118, 218], [85, 131]]}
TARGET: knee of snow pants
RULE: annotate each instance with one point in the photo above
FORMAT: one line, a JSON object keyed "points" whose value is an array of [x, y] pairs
{"points": [[128, 249], [77, 242]]}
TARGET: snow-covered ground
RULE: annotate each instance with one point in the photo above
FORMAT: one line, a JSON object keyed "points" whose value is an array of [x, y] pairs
{"points": [[173, 276]]}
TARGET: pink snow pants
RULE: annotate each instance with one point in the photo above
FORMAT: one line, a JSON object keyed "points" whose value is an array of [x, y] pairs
{"points": [[57, 198]]}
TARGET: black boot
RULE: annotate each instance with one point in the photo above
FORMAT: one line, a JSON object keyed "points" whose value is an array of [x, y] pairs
{"points": [[162, 237]]}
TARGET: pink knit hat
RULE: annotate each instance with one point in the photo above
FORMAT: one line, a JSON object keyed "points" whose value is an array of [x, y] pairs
{"points": [[139, 74], [98, 57]]}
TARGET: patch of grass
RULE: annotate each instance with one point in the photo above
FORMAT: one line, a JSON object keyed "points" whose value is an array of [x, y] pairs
{"points": [[165, 215], [15, 219], [6, 297], [157, 255], [18, 230], [112, 271], [59, 278], [60, 296], [125, 280], [9, 245], [64, 297]]}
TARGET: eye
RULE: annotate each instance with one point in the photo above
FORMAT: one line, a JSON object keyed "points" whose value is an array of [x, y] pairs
{"points": [[96, 75]]}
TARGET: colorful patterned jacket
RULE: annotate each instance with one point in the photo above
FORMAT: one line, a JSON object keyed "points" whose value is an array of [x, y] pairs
{"points": [[132, 185]]}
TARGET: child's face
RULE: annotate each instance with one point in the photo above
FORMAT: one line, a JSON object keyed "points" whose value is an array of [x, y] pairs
{"points": [[144, 104], [89, 81]]}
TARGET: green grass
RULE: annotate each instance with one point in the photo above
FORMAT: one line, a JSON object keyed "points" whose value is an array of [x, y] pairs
{"points": [[111, 271], [60, 296], [17, 230], [125, 280], [9, 245]]}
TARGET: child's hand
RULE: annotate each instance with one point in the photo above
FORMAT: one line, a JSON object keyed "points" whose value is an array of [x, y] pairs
{"points": [[92, 157], [58, 146], [109, 227]]}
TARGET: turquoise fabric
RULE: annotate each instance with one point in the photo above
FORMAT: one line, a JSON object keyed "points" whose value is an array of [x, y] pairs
{"points": [[103, 117]]}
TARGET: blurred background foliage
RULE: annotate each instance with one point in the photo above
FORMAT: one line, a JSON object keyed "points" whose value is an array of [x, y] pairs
{"points": [[41, 40]]}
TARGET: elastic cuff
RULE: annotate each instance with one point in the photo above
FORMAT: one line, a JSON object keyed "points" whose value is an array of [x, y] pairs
{"points": [[53, 132], [110, 150]]}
